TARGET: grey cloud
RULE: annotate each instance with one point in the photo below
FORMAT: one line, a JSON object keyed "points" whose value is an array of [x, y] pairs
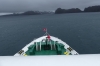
{"points": [[44, 5]]}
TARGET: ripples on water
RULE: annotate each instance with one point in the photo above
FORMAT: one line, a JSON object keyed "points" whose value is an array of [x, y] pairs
{"points": [[80, 30]]}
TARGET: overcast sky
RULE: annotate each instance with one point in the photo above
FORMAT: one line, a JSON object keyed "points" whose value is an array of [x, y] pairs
{"points": [[43, 5]]}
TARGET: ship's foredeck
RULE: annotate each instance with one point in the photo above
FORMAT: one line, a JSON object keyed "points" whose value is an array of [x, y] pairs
{"points": [[53, 47], [47, 48]]}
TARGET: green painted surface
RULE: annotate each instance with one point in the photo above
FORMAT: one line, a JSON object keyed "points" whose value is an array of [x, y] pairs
{"points": [[46, 52], [51, 48]]}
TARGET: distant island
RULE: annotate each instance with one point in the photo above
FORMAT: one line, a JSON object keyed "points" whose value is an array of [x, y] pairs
{"points": [[59, 11], [92, 9], [30, 13], [77, 10], [72, 10]]}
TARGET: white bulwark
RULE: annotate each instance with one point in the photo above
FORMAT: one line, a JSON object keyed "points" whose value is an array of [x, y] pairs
{"points": [[52, 60]]}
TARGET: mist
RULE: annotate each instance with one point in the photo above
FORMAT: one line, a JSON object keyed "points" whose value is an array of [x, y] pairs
{"points": [[43, 5]]}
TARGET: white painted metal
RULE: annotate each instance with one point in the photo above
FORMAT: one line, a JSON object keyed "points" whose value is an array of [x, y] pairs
{"points": [[54, 60]]}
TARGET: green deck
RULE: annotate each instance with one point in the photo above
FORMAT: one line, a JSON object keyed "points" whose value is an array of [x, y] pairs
{"points": [[46, 52], [47, 48]]}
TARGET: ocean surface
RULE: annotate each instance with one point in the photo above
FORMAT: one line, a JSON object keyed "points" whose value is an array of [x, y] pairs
{"points": [[80, 30]]}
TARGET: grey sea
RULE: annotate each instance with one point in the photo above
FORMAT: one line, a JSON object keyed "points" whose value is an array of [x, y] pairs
{"points": [[80, 30]]}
